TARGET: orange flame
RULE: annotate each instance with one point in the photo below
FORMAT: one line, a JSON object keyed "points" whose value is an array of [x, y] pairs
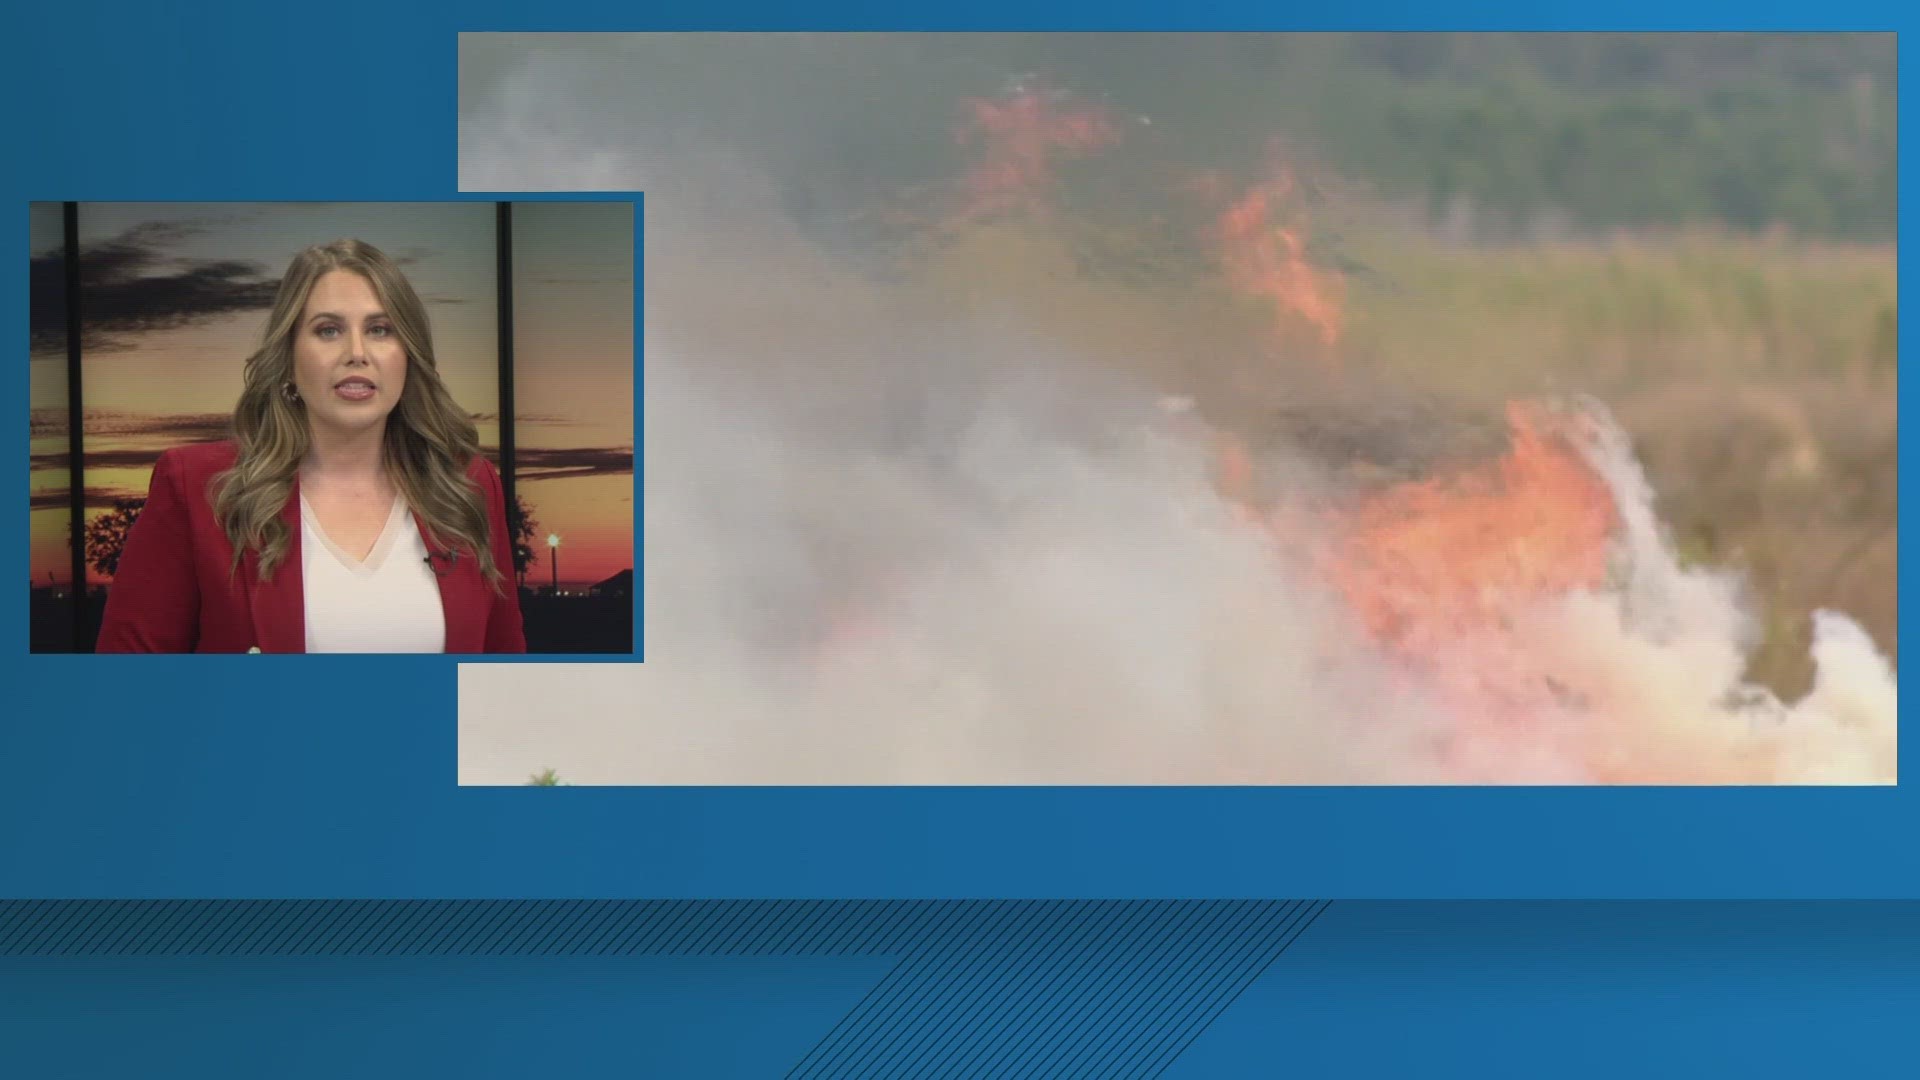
{"points": [[1432, 558], [1442, 573], [1023, 136], [1425, 561], [1265, 253]]}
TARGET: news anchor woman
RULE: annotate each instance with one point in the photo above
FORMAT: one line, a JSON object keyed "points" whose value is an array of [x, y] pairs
{"points": [[351, 512]]}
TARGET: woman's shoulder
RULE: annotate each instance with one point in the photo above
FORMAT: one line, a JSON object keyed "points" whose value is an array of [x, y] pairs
{"points": [[482, 470]]}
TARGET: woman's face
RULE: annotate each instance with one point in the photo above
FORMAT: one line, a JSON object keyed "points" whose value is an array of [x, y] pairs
{"points": [[348, 363]]}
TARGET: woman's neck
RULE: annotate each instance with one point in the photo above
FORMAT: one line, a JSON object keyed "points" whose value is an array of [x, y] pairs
{"points": [[348, 459]]}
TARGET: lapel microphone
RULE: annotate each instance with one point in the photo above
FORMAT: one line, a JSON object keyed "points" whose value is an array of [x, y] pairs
{"points": [[434, 559]]}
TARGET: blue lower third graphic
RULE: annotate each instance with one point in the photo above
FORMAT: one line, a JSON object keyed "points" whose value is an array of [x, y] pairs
{"points": [[1036, 988]]}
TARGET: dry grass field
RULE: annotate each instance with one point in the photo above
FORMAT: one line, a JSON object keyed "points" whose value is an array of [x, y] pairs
{"points": [[1757, 379]]}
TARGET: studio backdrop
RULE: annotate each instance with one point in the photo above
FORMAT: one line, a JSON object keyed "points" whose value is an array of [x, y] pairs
{"points": [[143, 316]]}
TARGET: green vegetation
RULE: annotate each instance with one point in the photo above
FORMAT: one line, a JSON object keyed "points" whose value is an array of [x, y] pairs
{"points": [[1523, 132], [1494, 135]]}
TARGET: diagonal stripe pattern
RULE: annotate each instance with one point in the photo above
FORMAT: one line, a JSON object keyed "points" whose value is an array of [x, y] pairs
{"points": [[1045, 989], [981, 987]]}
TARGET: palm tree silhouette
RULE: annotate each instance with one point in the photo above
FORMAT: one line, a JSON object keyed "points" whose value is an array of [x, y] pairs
{"points": [[107, 535]]}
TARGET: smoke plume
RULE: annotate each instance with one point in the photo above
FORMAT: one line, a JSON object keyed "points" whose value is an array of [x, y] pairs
{"points": [[971, 517]]}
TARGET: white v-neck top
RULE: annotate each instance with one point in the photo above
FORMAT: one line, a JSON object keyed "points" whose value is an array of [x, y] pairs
{"points": [[388, 603]]}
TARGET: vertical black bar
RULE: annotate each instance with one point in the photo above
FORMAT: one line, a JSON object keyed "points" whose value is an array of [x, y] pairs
{"points": [[503, 245], [76, 421]]}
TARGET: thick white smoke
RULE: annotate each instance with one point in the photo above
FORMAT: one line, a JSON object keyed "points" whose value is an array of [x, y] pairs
{"points": [[888, 540], [1659, 656]]}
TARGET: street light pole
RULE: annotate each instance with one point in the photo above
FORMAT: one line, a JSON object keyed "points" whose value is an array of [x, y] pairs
{"points": [[553, 547]]}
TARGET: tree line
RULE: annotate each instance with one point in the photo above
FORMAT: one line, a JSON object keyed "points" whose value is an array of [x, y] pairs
{"points": [[1583, 132]]}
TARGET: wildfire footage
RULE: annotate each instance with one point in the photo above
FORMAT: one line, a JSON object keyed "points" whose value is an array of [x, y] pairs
{"points": [[958, 551]]}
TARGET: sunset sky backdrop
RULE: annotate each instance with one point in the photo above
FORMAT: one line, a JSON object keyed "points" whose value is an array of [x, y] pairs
{"points": [[174, 297]]}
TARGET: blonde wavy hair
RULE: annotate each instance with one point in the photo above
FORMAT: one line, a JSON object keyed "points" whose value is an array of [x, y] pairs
{"points": [[429, 443]]}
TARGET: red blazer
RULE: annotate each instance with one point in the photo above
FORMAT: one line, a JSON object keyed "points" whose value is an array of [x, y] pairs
{"points": [[176, 590]]}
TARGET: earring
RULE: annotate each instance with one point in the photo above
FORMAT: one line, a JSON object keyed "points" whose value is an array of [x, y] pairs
{"points": [[290, 392]]}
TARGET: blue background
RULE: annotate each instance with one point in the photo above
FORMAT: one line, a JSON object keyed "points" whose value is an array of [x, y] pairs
{"points": [[157, 776], [1371, 989], [242, 777], [267, 776]]}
